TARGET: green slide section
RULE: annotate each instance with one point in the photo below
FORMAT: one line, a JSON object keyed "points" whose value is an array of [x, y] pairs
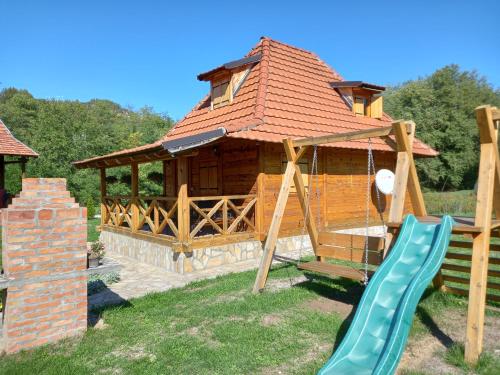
{"points": [[378, 333]]}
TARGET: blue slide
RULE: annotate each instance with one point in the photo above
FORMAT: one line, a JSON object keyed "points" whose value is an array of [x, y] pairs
{"points": [[378, 333]]}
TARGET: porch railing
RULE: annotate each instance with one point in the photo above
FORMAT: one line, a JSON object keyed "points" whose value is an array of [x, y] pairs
{"points": [[161, 216]]}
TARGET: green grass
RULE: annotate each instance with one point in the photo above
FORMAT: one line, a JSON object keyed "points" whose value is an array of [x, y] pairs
{"points": [[92, 233], [487, 364], [216, 327], [456, 203]]}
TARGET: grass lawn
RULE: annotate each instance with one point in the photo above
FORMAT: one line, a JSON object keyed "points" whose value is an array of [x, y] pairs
{"points": [[218, 327], [456, 203]]}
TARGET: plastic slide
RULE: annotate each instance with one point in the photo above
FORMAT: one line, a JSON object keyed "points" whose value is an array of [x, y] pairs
{"points": [[378, 333]]}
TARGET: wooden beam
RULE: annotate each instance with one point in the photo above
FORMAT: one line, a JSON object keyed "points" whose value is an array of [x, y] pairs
{"points": [[2, 173], [183, 224], [104, 193], [135, 196], [272, 235], [480, 246], [259, 209], [495, 114], [401, 181], [301, 194], [350, 136]]}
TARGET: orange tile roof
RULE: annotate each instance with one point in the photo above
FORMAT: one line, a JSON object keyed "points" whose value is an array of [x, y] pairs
{"points": [[288, 93], [9, 145]]}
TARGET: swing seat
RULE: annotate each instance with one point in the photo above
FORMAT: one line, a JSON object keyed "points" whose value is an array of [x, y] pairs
{"points": [[345, 247], [334, 270]]}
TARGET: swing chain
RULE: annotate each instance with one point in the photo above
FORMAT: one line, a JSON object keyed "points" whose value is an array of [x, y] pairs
{"points": [[368, 190]]}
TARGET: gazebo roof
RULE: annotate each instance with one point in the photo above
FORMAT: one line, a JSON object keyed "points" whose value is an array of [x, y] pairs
{"points": [[11, 146]]}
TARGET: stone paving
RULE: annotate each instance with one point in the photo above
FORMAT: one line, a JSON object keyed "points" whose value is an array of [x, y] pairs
{"points": [[138, 279]]}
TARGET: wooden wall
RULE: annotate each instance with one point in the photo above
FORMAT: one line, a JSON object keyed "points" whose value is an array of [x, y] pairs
{"points": [[340, 200], [339, 191], [235, 164]]}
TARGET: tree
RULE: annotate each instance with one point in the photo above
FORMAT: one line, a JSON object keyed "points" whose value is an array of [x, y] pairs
{"points": [[442, 105], [65, 131]]}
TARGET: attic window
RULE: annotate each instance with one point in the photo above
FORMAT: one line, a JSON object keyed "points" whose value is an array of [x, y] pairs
{"points": [[361, 106], [363, 98], [221, 93]]}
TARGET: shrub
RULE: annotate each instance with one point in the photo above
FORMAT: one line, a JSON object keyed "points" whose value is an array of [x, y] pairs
{"points": [[90, 208]]}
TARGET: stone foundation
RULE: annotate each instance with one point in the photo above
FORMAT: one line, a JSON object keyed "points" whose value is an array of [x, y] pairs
{"points": [[163, 256]]}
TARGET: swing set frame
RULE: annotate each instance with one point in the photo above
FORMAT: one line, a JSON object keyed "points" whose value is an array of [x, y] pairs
{"points": [[401, 136]]}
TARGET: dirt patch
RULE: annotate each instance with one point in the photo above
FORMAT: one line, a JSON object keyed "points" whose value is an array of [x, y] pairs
{"points": [[296, 363], [271, 320], [230, 297], [203, 334], [425, 353], [276, 285], [328, 306], [133, 352]]}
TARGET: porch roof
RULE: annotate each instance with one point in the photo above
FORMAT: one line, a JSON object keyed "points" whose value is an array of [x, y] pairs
{"points": [[287, 94]]}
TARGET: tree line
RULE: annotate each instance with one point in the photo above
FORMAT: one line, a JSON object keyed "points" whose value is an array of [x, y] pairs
{"points": [[63, 131]]}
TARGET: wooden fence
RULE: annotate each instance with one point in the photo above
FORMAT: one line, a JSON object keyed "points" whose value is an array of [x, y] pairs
{"points": [[457, 267]]}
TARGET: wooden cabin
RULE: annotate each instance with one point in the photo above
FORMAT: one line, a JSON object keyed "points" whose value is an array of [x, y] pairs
{"points": [[223, 162]]}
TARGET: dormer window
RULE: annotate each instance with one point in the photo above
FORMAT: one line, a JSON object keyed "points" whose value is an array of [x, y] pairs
{"points": [[361, 105], [227, 79], [221, 92], [363, 98]]}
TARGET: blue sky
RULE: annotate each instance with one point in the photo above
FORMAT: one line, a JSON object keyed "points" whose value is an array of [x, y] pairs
{"points": [[148, 52]]}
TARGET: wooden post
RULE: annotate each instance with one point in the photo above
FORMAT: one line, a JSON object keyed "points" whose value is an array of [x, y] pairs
{"points": [[2, 172], [401, 182], [272, 234], [164, 180], [480, 247], [23, 168], [301, 193], [135, 196], [407, 181], [104, 193], [182, 200], [259, 209]]}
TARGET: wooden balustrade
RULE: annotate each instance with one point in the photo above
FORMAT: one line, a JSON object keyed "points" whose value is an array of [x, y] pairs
{"points": [[159, 216], [222, 215]]}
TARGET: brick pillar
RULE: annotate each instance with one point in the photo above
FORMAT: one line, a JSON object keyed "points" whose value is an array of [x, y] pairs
{"points": [[44, 236]]}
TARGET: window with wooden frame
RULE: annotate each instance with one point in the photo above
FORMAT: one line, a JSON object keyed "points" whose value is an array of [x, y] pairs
{"points": [[208, 176], [361, 105], [221, 92], [304, 169]]}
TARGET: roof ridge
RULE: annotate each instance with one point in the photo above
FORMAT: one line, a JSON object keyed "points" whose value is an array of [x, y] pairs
{"points": [[260, 102], [287, 45]]}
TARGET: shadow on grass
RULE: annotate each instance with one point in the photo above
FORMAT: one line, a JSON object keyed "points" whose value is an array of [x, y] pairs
{"points": [[104, 299], [347, 291], [350, 292]]}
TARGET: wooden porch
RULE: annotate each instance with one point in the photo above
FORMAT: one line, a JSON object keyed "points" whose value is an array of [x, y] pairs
{"points": [[175, 219]]}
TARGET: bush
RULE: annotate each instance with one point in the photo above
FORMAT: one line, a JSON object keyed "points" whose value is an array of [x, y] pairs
{"points": [[90, 208]]}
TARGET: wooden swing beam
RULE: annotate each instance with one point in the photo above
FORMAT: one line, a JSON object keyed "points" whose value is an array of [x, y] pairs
{"points": [[406, 176]]}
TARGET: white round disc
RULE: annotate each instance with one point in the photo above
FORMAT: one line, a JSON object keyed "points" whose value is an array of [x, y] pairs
{"points": [[385, 181]]}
